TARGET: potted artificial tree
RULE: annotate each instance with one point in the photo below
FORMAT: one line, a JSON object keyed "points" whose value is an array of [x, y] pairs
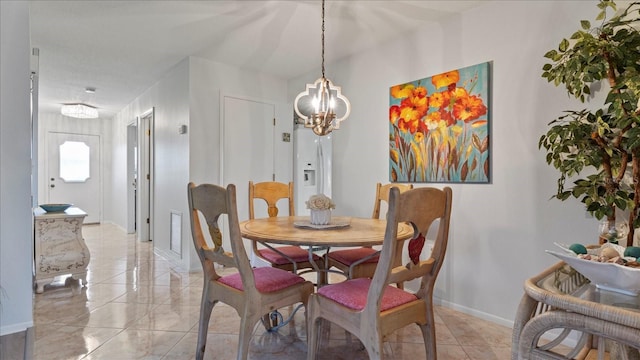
{"points": [[601, 147]]}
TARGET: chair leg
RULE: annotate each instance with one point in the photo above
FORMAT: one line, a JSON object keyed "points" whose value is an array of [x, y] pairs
{"points": [[373, 344], [313, 328], [247, 324], [206, 306], [429, 334]]}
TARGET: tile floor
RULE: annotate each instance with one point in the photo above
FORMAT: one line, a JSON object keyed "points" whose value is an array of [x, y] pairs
{"points": [[138, 306]]}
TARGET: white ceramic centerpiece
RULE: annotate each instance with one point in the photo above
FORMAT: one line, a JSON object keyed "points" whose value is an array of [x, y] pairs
{"points": [[320, 206]]}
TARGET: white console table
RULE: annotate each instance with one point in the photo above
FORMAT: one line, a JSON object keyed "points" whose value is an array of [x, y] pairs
{"points": [[59, 246]]}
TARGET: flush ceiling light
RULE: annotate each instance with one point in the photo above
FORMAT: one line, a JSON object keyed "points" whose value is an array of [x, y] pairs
{"points": [[321, 101], [79, 110]]}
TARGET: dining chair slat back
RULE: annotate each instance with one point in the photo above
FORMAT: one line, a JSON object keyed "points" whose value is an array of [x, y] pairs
{"points": [[271, 192], [290, 258], [382, 195], [350, 261], [252, 292], [372, 308]]}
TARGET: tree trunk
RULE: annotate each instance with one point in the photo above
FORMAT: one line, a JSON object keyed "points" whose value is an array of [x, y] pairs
{"points": [[635, 210]]}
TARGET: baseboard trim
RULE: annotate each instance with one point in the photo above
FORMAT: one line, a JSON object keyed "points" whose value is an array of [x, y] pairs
{"points": [[473, 312], [14, 328]]}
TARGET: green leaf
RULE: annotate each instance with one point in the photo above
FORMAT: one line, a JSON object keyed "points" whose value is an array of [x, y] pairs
{"points": [[585, 24], [593, 207], [609, 151], [601, 15], [547, 67], [564, 45], [620, 204]]}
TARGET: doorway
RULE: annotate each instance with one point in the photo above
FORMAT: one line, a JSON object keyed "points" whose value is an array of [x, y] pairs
{"points": [[140, 176], [132, 176]]}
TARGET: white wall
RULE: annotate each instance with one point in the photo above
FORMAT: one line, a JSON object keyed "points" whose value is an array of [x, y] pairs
{"points": [[169, 98], [499, 231], [16, 234]]}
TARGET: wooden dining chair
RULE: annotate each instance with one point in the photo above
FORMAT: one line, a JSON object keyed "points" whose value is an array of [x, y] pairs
{"points": [[290, 258], [252, 292], [362, 262], [371, 309]]}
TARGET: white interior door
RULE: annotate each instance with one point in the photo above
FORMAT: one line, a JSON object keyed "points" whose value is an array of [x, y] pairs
{"points": [[247, 148], [132, 176], [74, 172], [145, 177]]}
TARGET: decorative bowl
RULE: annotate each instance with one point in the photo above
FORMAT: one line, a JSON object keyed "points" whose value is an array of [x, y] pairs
{"points": [[55, 207], [606, 276]]}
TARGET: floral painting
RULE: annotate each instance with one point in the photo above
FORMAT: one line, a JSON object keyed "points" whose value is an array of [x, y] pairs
{"points": [[439, 128]]}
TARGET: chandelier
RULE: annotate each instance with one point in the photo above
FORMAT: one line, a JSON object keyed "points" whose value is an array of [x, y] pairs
{"points": [[321, 102], [79, 110]]}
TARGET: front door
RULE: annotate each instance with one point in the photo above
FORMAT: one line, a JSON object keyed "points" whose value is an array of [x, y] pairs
{"points": [[74, 172]]}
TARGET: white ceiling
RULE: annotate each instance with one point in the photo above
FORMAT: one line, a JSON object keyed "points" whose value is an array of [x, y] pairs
{"points": [[122, 47]]}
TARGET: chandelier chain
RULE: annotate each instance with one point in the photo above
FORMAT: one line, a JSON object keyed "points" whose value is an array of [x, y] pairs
{"points": [[323, 39]]}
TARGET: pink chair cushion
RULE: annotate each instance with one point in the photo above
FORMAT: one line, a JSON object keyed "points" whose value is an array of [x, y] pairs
{"points": [[294, 252], [353, 294], [350, 256], [268, 279]]}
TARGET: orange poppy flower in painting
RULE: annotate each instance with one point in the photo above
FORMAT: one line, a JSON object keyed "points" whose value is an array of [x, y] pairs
{"points": [[414, 103], [434, 118], [420, 92], [412, 109], [459, 93], [439, 99], [394, 113], [469, 108], [445, 79], [402, 91], [410, 126], [446, 116]]}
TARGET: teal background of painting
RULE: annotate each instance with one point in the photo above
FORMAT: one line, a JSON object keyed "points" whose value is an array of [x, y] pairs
{"points": [[479, 89]]}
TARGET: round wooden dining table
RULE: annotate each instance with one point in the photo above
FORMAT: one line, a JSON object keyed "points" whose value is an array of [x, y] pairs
{"points": [[341, 232]]}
